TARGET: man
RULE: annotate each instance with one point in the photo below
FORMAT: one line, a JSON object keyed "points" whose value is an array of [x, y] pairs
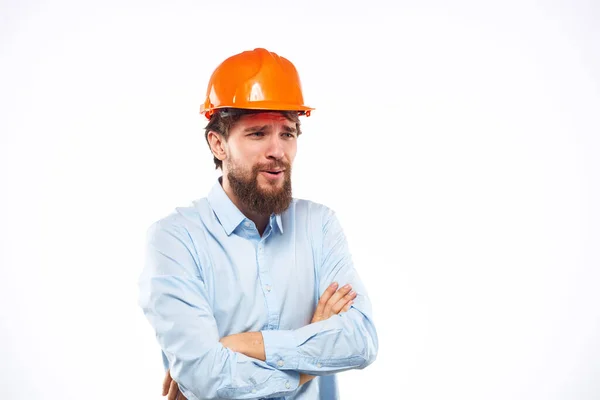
{"points": [[252, 293]]}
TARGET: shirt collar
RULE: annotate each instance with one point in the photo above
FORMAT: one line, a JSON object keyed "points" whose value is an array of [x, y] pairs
{"points": [[279, 223], [227, 213]]}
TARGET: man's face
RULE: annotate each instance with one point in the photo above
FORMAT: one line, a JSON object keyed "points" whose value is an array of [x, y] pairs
{"points": [[260, 151]]}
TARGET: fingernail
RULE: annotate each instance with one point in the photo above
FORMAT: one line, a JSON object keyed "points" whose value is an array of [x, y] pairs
{"points": [[352, 293], [351, 302], [347, 286], [334, 284]]}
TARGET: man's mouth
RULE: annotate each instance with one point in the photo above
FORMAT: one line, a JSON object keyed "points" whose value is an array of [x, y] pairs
{"points": [[274, 172]]}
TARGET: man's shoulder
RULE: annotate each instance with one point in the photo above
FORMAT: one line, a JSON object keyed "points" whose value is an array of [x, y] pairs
{"points": [[311, 209], [182, 217]]}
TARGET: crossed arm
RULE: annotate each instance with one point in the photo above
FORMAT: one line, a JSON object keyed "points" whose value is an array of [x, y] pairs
{"points": [[251, 344]]}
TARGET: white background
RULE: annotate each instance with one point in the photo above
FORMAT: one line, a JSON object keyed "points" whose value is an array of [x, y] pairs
{"points": [[458, 143]]}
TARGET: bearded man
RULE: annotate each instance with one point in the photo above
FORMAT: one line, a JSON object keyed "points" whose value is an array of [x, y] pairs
{"points": [[251, 292]]}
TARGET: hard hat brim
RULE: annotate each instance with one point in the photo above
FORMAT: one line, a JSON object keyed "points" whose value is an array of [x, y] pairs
{"points": [[259, 105]]}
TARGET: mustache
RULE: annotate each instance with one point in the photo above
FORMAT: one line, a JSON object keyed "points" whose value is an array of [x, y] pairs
{"points": [[273, 165]]}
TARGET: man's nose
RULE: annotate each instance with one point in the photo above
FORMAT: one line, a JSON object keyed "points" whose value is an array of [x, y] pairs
{"points": [[275, 149]]}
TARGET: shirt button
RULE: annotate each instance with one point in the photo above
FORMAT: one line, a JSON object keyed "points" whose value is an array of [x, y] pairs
{"points": [[280, 363], [268, 288], [319, 365], [287, 385], [253, 390], [248, 224]]}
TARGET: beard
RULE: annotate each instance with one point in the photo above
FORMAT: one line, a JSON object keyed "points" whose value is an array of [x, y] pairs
{"points": [[265, 202]]}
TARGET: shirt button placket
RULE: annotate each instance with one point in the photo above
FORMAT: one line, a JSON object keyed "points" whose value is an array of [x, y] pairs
{"points": [[265, 277]]}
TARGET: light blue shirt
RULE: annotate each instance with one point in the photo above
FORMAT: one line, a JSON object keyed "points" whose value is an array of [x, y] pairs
{"points": [[209, 274]]}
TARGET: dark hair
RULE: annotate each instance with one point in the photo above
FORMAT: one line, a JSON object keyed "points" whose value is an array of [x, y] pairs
{"points": [[224, 119]]}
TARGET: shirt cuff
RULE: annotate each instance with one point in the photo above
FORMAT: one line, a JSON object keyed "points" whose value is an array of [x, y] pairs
{"points": [[279, 386], [280, 349]]}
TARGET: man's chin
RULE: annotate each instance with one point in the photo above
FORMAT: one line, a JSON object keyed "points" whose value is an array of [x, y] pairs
{"points": [[270, 187], [270, 190]]}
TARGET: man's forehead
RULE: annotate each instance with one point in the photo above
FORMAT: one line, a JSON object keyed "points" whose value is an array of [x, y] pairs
{"points": [[266, 117]]}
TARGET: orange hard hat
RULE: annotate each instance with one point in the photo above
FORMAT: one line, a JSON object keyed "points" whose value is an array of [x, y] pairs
{"points": [[258, 80]]}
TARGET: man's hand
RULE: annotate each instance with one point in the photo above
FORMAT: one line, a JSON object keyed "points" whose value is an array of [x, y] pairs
{"points": [[171, 388], [332, 302]]}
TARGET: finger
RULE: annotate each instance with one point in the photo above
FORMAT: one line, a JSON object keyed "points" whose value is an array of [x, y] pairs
{"points": [[343, 291], [347, 306], [173, 391], [335, 298], [166, 383], [337, 307], [330, 291]]}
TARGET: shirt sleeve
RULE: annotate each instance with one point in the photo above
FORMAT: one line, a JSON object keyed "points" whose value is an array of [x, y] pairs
{"points": [[345, 341], [174, 300]]}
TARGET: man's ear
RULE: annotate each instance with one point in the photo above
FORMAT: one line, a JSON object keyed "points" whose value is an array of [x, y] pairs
{"points": [[217, 145]]}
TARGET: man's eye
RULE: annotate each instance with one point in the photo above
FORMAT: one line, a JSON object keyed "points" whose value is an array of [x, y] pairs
{"points": [[289, 135], [257, 134]]}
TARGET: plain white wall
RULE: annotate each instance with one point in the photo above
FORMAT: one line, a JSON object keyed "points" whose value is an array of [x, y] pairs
{"points": [[458, 143]]}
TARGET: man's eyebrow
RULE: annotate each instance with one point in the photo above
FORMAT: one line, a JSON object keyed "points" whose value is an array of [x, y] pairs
{"points": [[289, 129], [256, 128]]}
